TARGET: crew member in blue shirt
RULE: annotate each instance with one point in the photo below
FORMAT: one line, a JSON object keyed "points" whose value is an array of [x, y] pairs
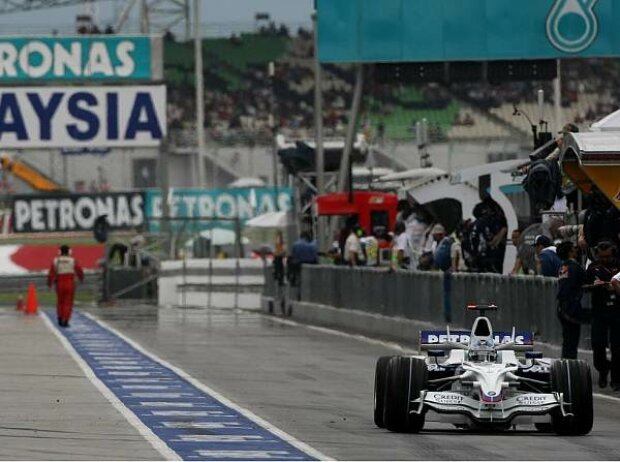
{"points": [[549, 261], [304, 252]]}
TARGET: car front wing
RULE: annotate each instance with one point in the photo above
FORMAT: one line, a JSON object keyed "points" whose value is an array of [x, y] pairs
{"points": [[500, 411]]}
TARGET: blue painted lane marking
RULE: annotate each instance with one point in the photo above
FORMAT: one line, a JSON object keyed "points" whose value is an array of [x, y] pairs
{"points": [[189, 420]]}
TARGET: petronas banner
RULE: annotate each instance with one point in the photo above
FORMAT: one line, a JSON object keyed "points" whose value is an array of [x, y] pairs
{"points": [[466, 30]]}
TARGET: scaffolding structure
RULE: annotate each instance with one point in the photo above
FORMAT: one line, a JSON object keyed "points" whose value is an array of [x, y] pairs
{"points": [[156, 16]]}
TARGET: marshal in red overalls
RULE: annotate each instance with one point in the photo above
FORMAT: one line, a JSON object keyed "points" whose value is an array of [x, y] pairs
{"points": [[63, 272]]}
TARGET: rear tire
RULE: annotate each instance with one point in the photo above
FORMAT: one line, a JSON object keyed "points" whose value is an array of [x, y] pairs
{"points": [[573, 378], [380, 377], [406, 377]]}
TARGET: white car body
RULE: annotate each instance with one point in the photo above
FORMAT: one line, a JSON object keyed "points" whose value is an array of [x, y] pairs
{"points": [[483, 382]]}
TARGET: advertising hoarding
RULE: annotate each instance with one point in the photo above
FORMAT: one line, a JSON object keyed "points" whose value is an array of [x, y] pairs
{"points": [[88, 57], [76, 212], [466, 30], [241, 203], [68, 117]]}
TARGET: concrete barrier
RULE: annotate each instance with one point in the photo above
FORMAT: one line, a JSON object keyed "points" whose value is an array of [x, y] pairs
{"points": [[367, 300], [181, 282]]}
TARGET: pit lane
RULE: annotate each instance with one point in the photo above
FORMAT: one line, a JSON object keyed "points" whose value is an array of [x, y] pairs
{"points": [[317, 386]]}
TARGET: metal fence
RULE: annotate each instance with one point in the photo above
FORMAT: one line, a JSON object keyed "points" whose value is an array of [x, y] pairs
{"points": [[528, 303]]}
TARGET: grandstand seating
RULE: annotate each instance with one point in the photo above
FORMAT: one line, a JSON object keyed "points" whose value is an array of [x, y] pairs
{"points": [[238, 89]]}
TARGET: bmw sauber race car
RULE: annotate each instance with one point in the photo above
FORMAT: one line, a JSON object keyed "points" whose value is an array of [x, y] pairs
{"points": [[482, 379]]}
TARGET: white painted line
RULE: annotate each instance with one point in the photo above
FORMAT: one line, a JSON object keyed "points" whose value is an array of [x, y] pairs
{"points": [[118, 362], [602, 396], [250, 455], [146, 432], [225, 401], [124, 368], [162, 395], [133, 374], [222, 439], [191, 414], [113, 356], [169, 404], [206, 425], [147, 387], [339, 333], [142, 380]]}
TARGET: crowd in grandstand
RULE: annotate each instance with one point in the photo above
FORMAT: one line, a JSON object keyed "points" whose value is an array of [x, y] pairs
{"points": [[239, 93]]}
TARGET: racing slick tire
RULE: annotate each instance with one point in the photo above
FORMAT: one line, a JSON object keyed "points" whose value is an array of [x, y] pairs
{"points": [[573, 378], [380, 377], [406, 377]]}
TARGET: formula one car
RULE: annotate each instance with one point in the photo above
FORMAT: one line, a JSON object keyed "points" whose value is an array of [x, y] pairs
{"points": [[482, 379]]}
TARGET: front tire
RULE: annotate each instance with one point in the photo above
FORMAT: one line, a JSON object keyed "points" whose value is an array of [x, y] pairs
{"points": [[380, 377], [406, 377], [573, 378]]}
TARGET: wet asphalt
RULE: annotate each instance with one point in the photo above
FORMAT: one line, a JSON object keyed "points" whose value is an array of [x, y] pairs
{"points": [[318, 387]]}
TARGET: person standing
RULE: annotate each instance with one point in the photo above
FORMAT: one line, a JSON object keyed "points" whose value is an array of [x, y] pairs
{"points": [[446, 255], [525, 262], [371, 245], [548, 260], [401, 251], [279, 252], [303, 252], [62, 274], [571, 279], [605, 316], [353, 254]]}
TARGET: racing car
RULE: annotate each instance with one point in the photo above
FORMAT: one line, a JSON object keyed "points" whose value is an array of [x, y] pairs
{"points": [[482, 379]]}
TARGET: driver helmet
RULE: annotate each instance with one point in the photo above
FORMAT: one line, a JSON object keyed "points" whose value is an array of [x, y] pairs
{"points": [[482, 349]]}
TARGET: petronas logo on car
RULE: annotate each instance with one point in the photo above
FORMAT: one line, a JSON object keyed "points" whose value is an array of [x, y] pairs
{"points": [[572, 25]]}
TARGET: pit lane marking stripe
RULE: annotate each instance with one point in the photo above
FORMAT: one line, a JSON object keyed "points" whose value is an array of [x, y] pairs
{"points": [[146, 432], [301, 446]]}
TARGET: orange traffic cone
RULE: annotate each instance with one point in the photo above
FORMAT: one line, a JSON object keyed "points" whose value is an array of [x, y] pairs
{"points": [[20, 303], [31, 300]]}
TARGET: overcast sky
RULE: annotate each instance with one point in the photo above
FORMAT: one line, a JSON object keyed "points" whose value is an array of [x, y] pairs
{"points": [[214, 11]]}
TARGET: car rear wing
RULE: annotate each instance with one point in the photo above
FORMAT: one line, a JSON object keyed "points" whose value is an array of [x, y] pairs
{"points": [[444, 340]]}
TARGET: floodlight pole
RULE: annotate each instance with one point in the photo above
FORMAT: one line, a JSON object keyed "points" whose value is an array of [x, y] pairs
{"points": [[318, 127], [164, 184], [274, 130], [557, 96], [352, 125], [200, 104]]}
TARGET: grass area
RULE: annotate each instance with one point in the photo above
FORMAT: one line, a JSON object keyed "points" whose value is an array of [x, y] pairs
{"points": [[45, 298], [399, 124]]}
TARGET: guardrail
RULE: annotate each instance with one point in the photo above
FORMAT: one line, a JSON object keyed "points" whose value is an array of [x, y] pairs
{"points": [[526, 302], [19, 282]]}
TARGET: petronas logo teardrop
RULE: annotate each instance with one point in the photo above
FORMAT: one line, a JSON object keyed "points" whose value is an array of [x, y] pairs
{"points": [[572, 25]]}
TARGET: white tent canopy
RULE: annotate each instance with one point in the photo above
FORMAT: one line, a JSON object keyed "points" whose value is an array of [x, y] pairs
{"points": [[610, 123], [269, 220], [221, 236], [248, 182]]}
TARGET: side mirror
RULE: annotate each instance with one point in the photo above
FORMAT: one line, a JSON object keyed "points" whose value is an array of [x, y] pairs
{"points": [[436, 353], [533, 355]]}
